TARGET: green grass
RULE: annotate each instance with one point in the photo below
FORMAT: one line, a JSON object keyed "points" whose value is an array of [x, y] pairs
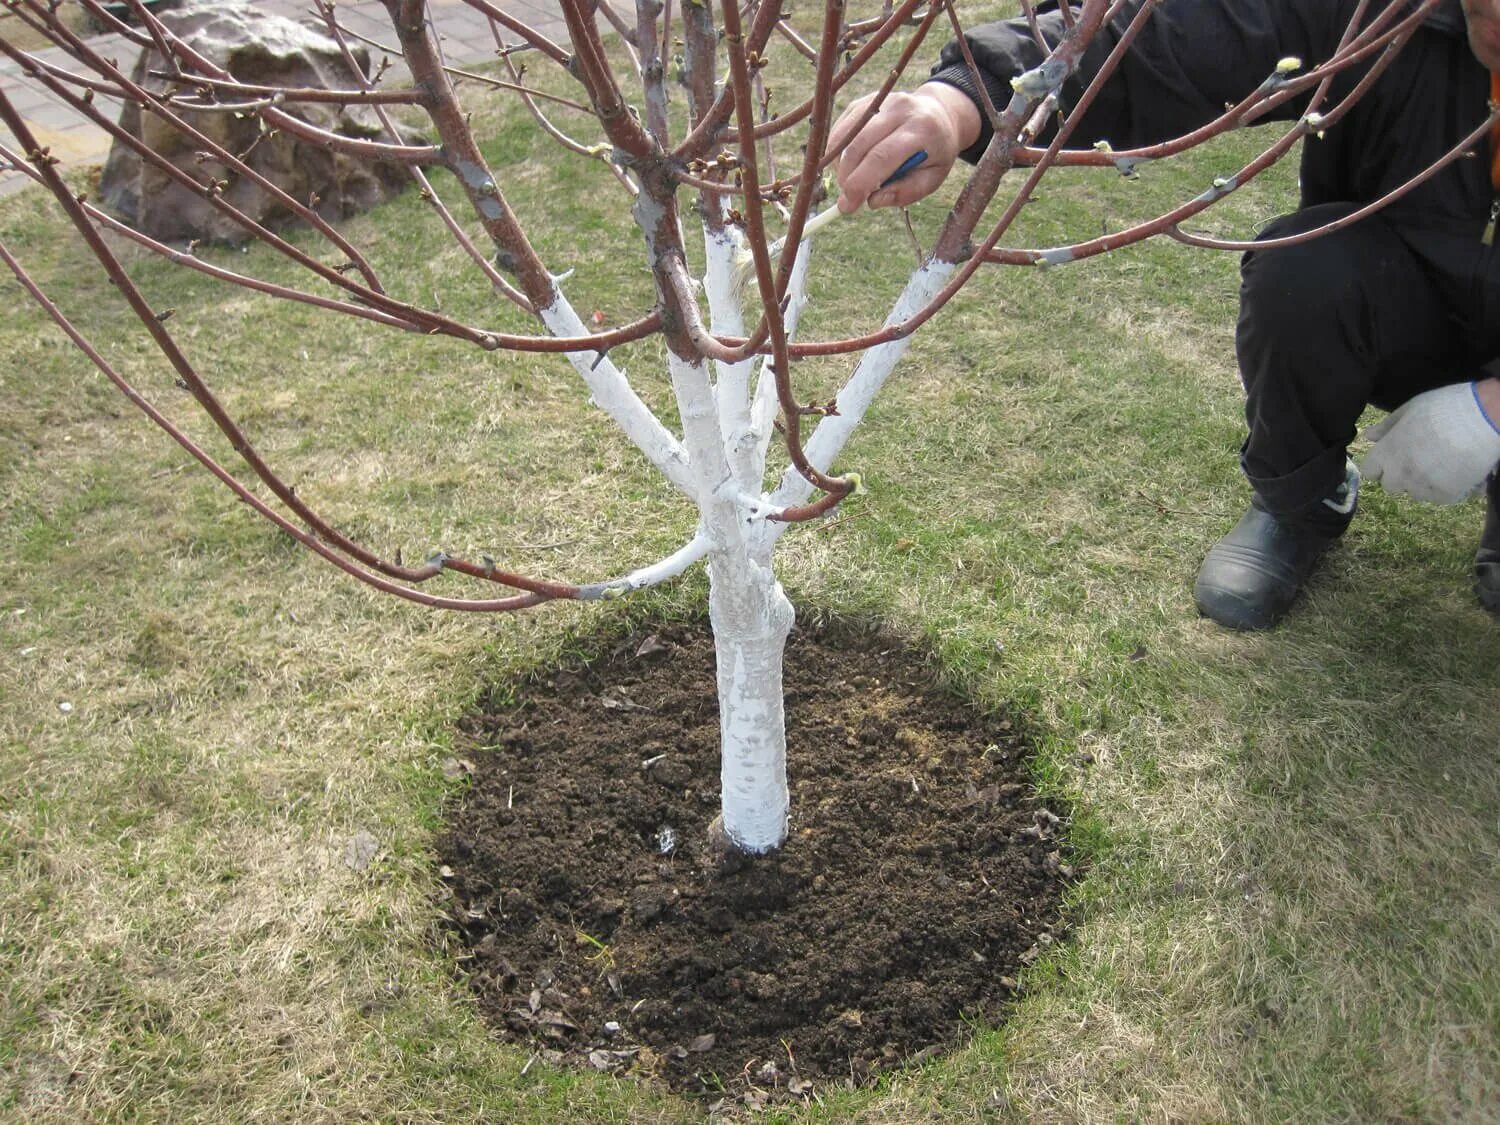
{"points": [[1291, 909]]}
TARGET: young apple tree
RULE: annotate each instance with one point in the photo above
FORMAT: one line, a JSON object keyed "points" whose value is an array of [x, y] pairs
{"points": [[690, 143]]}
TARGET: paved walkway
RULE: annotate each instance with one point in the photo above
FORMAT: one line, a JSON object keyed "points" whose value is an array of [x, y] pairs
{"points": [[465, 35]]}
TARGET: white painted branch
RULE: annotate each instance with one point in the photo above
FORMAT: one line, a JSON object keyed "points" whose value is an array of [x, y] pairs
{"points": [[727, 318], [613, 394], [713, 483], [655, 574], [856, 395]]}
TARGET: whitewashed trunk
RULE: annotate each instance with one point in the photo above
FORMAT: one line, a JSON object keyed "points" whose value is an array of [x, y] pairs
{"points": [[720, 462], [751, 618]]}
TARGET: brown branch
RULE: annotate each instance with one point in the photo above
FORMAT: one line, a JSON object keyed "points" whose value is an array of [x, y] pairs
{"points": [[986, 103], [653, 71], [533, 38], [898, 69], [419, 47], [771, 287], [593, 69], [767, 131], [515, 87], [307, 539], [1457, 152], [708, 131], [901, 18], [804, 48], [1254, 105], [592, 152], [1226, 185], [200, 391], [429, 193], [206, 86], [1029, 9], [699, 52]]}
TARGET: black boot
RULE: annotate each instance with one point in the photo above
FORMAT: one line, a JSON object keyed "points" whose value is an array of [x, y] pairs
{"points": [[1250, 578], [1487, 561]]}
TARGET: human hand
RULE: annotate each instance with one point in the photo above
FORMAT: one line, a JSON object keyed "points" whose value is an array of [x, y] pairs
{"points": [[1440, 446], [936, 118]]}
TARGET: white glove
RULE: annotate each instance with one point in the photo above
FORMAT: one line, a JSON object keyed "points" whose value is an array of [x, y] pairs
{"points": [[1438, 447]]}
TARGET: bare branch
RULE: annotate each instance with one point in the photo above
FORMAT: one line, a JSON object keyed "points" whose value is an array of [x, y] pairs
{"points": [[307, 539], [530, 35], [500, 285]]}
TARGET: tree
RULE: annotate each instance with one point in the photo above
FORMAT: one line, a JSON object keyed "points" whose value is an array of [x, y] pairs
{"points": [[733, 375]]}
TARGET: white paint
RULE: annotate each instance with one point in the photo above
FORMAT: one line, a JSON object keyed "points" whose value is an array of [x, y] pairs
{"points": [[751, 618], [613, 394], [727, 318], [858, 392], [705, 446], [654, 574]]}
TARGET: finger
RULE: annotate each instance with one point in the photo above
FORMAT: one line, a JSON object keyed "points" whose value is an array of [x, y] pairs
{"points": [[1381, 428], [876, 164], [856, 146], [863, 159], [907, 190], [843, 129]]}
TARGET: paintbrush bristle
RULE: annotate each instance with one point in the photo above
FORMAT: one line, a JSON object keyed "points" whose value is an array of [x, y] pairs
{"points": [[744, 258]]}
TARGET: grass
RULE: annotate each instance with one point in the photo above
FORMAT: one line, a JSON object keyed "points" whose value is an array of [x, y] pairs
{"points": [[1291, 910]]}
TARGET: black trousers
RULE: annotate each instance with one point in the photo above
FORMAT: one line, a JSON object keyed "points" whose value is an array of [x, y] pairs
{"points": [[1375, 313]]}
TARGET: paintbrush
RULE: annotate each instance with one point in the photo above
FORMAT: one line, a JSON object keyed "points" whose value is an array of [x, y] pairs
{"points": [[744, 260]]}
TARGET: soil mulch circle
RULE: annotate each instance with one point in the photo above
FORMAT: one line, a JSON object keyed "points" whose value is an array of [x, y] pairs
{"points": [[920, 873]]}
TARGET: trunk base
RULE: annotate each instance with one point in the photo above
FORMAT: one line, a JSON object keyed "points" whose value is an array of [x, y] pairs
{"points": [[724, 855]]}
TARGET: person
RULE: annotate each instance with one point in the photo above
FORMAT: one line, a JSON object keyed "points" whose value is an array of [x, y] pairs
{"points": [[1400, 309]]}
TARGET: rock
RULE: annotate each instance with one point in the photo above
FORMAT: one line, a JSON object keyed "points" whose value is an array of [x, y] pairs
{"points": [[360, 851], [256, 47], [653, 646], [124, 12]]}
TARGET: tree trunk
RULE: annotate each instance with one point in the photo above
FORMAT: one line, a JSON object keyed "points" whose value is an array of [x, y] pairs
{"points": [[751, 618]]}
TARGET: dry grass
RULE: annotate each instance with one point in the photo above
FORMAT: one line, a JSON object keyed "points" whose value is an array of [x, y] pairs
{"points": [[1291, 910]]}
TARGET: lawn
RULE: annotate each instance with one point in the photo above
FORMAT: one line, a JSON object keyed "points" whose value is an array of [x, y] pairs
{"points": [[1291, 908]]}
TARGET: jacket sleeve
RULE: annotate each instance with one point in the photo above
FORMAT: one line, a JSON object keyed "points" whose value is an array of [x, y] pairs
{"points": [[1191, 60]]}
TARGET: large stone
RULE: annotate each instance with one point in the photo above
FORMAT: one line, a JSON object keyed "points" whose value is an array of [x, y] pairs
{"points": [[264, 49]]}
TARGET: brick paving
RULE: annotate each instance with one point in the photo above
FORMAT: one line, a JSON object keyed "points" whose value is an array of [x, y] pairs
{"points": [[464, 34]]}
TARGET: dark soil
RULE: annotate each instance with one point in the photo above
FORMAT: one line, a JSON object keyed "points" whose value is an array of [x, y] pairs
{"points": [[919, 875]]}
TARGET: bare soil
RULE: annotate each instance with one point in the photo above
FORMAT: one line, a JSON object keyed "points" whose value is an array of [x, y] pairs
{"points": [[920, 874]]}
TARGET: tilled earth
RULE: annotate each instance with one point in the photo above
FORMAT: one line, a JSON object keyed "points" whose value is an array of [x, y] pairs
{"points": [[919, 875]]}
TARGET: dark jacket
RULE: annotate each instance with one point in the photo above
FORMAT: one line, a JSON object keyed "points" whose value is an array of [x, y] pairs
{"points": [[1196, 56]]}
